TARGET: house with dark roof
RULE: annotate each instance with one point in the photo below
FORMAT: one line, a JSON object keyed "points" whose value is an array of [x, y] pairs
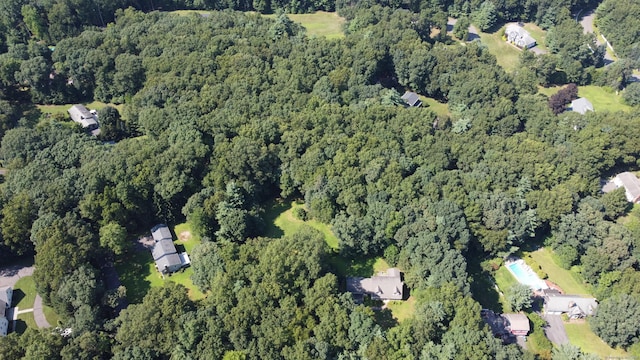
{"points": [[164, 251], [86, 118], [6, 295], [630, 183], [576, 307], [4, 322], [581, 106], [516, 324], [412, 99], [518, 36], [383, 286]]}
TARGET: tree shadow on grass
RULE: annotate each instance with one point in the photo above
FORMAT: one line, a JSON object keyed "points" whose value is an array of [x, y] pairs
{"points": [[385, 319], [18, 295], [20, 326], [483, 287], [271, 214], [343, 266], [133, 271]]}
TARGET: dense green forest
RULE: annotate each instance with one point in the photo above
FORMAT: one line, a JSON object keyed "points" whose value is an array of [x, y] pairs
{"points": [[226, 112]]}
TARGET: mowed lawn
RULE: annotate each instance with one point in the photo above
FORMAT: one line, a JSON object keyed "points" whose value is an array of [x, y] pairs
{"points": [[437, 107], [24, 293], [580, 335], [62, 109], [603, 99], [321, 23], [508, 56], [566, 279], [138, 273], [504, 280], [402, 310], [538, 34]]}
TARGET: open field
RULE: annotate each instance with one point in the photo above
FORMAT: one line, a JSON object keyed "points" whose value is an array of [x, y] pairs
{"points": [[507, 55], [566, 279], [321, 23], [138, 273], [580, 335]]}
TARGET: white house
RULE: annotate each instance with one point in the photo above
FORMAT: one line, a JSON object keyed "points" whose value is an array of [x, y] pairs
{"points": [[631, 185], [518, 36]]}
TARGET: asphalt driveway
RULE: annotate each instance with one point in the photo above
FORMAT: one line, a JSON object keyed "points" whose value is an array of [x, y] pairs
{"points": [[555, 329]]}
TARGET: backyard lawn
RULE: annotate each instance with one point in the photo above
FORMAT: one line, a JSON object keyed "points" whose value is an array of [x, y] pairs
{"points": [[439, 108], [138, 273], [602, 98], [504, 280], [580, 335], [506, 54], [24, 293], [62, 109], [538, 34], [566, 279], [402, 310]]}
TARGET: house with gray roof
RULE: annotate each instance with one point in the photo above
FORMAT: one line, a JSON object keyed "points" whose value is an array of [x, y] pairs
{"points": [[576, 307], [581, 106], [86, 118], [164, 251], [161, 232], [518, 36], [412, 99], [630, 183], [6, 295], [383, 286]]}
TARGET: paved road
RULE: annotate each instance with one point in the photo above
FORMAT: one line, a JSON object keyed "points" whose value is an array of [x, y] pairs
{"points": [[587, 27], [38, 315], [555, 330]]}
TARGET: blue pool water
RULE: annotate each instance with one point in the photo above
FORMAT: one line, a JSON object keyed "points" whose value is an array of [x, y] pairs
{"points": [[526, 276]]}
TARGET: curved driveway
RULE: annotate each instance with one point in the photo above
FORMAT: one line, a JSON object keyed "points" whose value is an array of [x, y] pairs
{"points": [[10, 275]]}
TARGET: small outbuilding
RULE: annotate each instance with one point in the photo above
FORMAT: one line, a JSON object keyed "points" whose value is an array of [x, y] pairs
{"points": [[516, 324], [518, 36], [412, 99], [383, 286], [581, 106]]}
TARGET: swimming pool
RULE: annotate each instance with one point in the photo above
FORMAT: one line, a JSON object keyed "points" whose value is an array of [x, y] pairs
{"points": [[523, 273]]}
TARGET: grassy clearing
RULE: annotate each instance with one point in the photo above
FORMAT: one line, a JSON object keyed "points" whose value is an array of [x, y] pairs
{"points": [[504, 280], [507, 55], [566, 279], [138, 273], [580, 335], [548, 91], [280, 221], [24, 293], [402, 310], [321, 23], [439, 108], [603, 99]]}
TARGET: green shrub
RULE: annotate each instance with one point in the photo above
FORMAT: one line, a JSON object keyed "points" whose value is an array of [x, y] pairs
{"points": [[300, 213]]}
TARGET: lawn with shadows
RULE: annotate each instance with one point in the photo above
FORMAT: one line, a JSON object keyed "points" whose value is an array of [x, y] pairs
{"points": [[138, 273], [24, 293], [280, 222], [507, 55], [568, 280]]}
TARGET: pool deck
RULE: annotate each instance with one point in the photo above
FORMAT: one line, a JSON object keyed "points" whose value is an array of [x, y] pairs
{"points": [[541, 283]]}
